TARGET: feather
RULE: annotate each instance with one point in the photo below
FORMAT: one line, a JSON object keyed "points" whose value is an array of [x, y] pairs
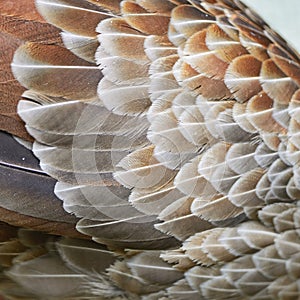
{"points": [[283, 287], [183, 227], [77, 160], [155, 202], [179, 221], [216, 208], [84, 256], [134, 232], [138, 18], [169, 125], [182, 290], [83, 47], [115, 69], [48, 276], [237, 154], [178, 258], [17, 24], [21, 193], [130, 103], [160, 272], [158, 46], [287, 244], [239, 115], [201, 59], [220, 287], [187, 20], [117, 35], [242, 77], [141, 170], [84, 200], [190, 182], [198, 84], [164, 133], [193, 127], [122, 277], [274, 82], [285, 62], [197, 275], [74, 16], [243, 191], [54, 68], [260, 108], [223, 46]]}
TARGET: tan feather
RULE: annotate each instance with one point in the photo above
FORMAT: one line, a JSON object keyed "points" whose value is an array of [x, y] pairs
{"points": [[172, 128], [81, 19], [54, 65], [242, 77]]}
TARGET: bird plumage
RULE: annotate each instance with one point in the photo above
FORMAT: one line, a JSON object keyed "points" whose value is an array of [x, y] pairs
{"points": [[167, 137]]}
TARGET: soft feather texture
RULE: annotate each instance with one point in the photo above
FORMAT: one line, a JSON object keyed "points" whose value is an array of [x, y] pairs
{"points": [[174, 142], [19, 23]]}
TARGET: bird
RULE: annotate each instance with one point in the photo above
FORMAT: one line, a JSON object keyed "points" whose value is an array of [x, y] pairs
{"points": [[149, 150]]}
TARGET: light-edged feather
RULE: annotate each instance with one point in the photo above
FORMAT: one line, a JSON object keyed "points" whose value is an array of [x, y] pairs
{"points": [[134, 232], [242, 77], [83, 47], [274, 82], [43, 118], [85, 256], [287, 243], [197, 275], [150, 23], [215, 208], [193, 126], [224, 47], [240, 157], [158, 46], [165, 133], [269, 262], [118, 70], [118, 38], [151, 268], [200, 58], [221, 288], [126, 98], [181, 290], [177, 216], [198, 84], [78, 17], [85, 200], [243, 191], [285, 60], [187, 20], [153, 203], [239, 115], [141, 170], [66, 75], [269, 213], [19, 23], [190, 182], [260, 108], [122, 277]]}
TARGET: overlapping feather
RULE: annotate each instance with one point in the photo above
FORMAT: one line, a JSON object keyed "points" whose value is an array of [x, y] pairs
{"points": [[188, 142]]}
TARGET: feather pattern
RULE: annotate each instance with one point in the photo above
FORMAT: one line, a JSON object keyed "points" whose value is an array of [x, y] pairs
{"points": [[169, 130]]}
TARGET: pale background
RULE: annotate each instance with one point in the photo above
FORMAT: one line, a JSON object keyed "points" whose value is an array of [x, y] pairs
{"points": [[283, 16]]}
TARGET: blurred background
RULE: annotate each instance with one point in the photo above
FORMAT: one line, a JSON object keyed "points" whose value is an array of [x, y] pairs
{"points": [[283, 16]]}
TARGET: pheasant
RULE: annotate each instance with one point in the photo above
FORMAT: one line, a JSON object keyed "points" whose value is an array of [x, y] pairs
{"points": [[149, 150]]}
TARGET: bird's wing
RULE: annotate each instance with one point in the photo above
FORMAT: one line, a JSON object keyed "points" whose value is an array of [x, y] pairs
{"points": [[171, 130]]}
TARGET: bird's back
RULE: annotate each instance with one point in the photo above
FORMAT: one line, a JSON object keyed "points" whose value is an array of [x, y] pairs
{"points": [[166, 152]]}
